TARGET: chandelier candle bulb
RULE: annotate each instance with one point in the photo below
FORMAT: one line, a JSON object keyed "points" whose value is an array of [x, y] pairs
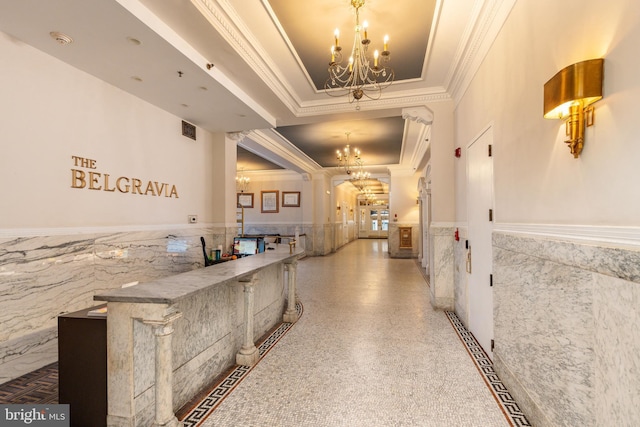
{"points": [[365, 24], [386, 43], [351, 64], [333, 55], [375, 59], [336, 33]]}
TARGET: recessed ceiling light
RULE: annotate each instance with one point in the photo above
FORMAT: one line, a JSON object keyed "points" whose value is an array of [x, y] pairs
{"points": [[60, 37], [204, 88], [136, 78], [184, 105], [134, 41]]}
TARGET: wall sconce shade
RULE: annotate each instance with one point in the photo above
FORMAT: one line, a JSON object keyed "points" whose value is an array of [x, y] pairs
{"points": [[568, 96]]}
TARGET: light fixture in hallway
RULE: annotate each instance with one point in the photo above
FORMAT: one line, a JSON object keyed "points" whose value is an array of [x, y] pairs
{"points": [[569, 95], [358, 77], [360, 178], [349, 159], [242, 181]]}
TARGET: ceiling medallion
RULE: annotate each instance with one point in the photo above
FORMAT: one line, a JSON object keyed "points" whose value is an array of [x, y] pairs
{"points": [[359, 77]]}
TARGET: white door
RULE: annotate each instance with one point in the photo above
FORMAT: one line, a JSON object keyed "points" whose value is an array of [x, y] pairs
{"points": [[374, 222], [479, 204]]}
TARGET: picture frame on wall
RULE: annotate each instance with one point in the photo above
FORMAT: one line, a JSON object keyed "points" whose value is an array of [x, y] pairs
{"points": [[269, 201], [290, 199], [245, 200]]}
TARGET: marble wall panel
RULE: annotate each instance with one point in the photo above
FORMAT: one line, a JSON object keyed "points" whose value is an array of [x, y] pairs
{"points": [[460, 278], [27, 353], [565, 324], [441, 274], [542, 325], [44, 276], [41, 277], [617, 348]]}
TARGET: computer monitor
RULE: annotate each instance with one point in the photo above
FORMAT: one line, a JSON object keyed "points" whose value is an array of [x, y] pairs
{"points": [[244, 246]]}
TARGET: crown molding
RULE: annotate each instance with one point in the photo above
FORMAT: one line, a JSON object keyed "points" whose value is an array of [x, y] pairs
{"points": [[275, 148], [488, 18], [224, 18]]}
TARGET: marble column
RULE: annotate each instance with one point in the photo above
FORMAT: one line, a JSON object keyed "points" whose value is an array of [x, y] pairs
{"points": [[248, 354], [163, 330], [291, 315]]}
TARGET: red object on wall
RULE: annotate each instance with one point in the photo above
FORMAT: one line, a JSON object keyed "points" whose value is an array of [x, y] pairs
{"points": [[456, 235], [458, 152]]}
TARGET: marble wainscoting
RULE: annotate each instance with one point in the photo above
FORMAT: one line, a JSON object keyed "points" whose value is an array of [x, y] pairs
{"points": [[394, 241], [566, 322], [441, 276], [461, 277], [42, 277]]}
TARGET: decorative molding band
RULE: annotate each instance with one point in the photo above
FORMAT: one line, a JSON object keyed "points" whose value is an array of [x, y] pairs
{"points": [[628, 236], [392, 100]]}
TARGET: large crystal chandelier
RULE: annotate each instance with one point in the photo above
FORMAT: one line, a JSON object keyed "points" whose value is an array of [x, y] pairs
{"points": [[349, 159], [358, 77]]}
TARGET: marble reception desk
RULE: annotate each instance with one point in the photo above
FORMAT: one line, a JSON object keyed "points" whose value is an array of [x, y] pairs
{"points": [[169, 338]]}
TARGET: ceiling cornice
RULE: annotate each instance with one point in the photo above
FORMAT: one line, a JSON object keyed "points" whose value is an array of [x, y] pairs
{"points": [[224, 18], [273, 147], [488, 18]]}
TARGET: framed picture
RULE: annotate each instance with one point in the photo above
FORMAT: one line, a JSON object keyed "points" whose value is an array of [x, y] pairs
{"points": [[245, 200], [290, 199], [269, 201]]}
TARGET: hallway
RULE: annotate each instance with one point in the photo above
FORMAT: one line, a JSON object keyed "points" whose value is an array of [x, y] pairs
{"points": [[368, 350]]}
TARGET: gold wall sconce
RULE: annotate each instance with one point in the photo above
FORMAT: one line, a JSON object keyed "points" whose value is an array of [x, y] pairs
{"points": [[569, 95]]}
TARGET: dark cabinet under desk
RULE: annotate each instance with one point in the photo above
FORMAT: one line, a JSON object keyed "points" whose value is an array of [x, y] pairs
{"points": [[82, 364]]}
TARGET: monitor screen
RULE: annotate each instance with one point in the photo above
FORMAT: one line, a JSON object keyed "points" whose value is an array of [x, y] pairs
{"points": [[245, 246]]}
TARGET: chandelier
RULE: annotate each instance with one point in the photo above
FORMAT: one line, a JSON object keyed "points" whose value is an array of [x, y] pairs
{"points": [[349, 159], [242, 182], [360, 178], [358, 77]]}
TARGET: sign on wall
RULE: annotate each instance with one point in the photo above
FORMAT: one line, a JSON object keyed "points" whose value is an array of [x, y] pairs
{"points": [[84, 175]]}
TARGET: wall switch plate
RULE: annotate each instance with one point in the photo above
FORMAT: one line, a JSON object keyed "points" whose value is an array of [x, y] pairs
{"points": [[193, 219]]}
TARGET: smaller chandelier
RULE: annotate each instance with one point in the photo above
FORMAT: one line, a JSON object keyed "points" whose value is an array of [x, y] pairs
{"points": [[358, 77], [360, 178], [242, 182], [349, 159]]}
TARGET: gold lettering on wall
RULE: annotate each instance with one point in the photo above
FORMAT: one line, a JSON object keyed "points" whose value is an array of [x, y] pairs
{"points": [[93, 180]]}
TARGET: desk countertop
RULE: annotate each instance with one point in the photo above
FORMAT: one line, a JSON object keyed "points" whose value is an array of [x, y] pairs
{"points": [[172, 289]]}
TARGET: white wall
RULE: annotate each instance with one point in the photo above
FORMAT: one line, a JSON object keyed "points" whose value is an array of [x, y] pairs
{"points": [[279, 181], [536, 179], [50, 111]]}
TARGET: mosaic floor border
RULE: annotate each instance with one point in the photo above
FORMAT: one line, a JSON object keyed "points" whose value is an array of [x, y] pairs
{"points": [[502, 396], [200, 413]]}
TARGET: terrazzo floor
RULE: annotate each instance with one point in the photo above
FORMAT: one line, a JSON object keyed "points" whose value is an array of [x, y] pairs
{"points": [[368, 351]]}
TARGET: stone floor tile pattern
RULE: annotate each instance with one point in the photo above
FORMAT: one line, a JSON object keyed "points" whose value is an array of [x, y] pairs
{"points": [[369, 351]]}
